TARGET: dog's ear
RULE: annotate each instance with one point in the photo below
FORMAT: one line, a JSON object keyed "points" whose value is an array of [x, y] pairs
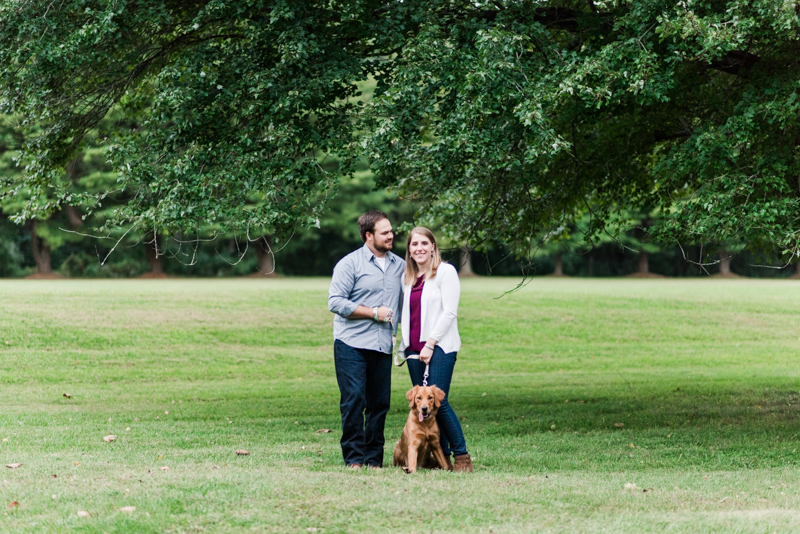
{"points": [[438, 395], [410, 396]]}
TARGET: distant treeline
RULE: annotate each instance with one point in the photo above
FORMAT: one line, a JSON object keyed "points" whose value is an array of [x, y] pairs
{"points": [[314, 252], [610, 259]]}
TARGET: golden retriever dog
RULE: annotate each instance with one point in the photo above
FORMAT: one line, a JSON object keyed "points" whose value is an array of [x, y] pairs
{"points": [[420, 440]]}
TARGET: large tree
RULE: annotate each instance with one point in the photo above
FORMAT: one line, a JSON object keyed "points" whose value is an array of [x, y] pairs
{"points": [[515, 115], [502, 117]]}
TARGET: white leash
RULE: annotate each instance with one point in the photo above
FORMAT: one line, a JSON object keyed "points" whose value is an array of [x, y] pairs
{"points": [[399, 362]]}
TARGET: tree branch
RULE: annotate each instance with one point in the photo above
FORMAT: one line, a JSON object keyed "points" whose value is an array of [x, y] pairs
{"points": [[735, 61]]}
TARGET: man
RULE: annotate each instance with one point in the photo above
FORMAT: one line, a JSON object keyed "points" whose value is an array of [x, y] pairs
{"points": [[365, 295]]}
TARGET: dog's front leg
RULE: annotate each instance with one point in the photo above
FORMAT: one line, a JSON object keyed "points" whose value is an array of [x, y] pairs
{"points": [[413, 456]]}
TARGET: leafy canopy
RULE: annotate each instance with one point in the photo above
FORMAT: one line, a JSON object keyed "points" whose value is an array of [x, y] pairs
{"points": [[504, 118]]}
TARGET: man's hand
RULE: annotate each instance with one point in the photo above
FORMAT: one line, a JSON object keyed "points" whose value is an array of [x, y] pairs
{"points": [[385, 314]]}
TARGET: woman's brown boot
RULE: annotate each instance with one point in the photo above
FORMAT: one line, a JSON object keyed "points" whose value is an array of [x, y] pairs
{"points": [[463, 464]]}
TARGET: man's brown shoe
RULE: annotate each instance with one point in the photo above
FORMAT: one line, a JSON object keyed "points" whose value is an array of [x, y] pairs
{"points": [[463, 464], [354, 466]]}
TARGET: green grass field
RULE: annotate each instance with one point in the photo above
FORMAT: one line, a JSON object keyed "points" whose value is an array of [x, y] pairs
{"points": [[703, 374]]}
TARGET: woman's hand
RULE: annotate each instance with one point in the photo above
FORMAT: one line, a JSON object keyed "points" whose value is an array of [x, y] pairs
{"points": [[425, 355]]}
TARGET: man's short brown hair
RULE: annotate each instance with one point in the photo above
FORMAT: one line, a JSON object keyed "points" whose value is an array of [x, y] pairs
{"points": [[366, 223]]}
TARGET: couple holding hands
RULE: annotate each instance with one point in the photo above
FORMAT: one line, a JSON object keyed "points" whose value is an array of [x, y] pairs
{"points": [[368, 288]]}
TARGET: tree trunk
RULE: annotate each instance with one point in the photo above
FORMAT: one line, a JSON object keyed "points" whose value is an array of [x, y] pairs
{"points": [[724, 263], [154, 254], [644, 263], [591, 264], [559, 270], [466, 263], [74, 216], [266, 258], [41, 252], [798, 269]]}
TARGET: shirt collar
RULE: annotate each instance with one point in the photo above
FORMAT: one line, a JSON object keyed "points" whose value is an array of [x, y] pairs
{"points": [[369, 255]]}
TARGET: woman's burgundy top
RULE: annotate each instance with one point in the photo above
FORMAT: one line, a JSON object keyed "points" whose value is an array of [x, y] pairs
{"points": [[416, 315]]}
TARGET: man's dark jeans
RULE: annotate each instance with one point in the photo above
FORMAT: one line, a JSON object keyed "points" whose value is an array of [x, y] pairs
{"points": [[441, 374], [365, 380]]}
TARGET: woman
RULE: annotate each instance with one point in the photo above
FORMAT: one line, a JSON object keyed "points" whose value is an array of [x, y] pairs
{"points": [[430, 303]]}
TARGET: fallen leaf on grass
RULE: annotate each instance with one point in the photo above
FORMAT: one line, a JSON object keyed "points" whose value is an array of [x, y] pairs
{"points": [[13, 466], [164, 468], [109, 438], [242, 452], [324, 431], [128, 509], [619, 425], [83, 513], [5, 439], [630, 486], [76, 463], [53, 476], [67, 395], [13, 504]]}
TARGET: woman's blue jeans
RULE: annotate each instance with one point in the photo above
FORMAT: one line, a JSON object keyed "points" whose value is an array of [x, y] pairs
{"points": [[440, 375]]}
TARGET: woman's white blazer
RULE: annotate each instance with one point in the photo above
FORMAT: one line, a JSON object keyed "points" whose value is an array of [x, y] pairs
{"points": [[439, 303]]}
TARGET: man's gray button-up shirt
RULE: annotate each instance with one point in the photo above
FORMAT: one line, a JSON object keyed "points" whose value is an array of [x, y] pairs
{"points": [[359, 281]]}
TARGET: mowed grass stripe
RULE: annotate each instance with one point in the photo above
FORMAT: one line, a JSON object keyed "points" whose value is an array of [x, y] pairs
{"points": [[699, 373]]}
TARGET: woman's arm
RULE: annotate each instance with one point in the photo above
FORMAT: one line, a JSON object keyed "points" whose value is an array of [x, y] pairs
{"points": [[451, 293], [426, 353]]}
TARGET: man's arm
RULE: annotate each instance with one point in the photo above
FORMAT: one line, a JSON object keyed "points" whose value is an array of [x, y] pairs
{"points": [[339, 295], [342, 284], [364, 312]]}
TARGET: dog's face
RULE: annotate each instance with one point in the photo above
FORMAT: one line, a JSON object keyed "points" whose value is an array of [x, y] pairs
{"points": [[424, 401]]}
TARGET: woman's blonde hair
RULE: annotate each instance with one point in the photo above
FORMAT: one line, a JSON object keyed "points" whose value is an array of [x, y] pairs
{"points": [[412, 271]]}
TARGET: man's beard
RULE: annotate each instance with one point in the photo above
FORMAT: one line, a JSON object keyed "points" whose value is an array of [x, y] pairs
{"points": [[383, 248]]}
